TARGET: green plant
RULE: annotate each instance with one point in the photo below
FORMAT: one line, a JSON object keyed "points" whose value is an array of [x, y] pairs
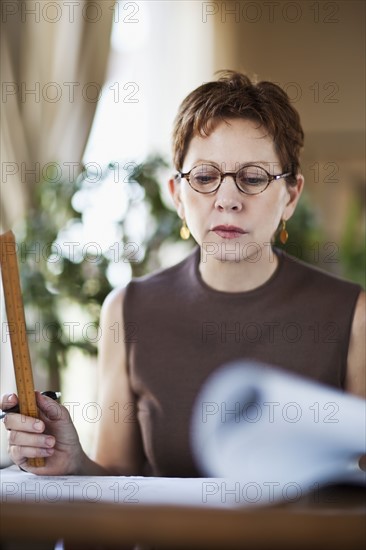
{"points": [[56, 279], [52, 281], [353, 252]]}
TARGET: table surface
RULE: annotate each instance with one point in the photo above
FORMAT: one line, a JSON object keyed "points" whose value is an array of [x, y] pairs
{"points": [[333, 519]]}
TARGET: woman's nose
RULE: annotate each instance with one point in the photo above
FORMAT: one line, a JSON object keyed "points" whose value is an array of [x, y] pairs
{"points": [[228, 196]]}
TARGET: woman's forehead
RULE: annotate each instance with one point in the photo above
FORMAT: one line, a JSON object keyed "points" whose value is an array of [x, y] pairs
{"points": [[233, 140]]}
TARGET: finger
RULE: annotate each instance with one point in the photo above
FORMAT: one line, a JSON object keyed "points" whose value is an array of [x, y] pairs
{"points": [[23, 439], [22, 423], [20, 454], [8, 401]]}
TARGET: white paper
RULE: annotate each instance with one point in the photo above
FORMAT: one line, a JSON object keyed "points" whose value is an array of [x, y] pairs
{"points": [[134, 490], [261, 425]]}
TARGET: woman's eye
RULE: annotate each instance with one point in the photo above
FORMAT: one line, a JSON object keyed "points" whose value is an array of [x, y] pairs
{"points": [[205, 178], [253, 179]]}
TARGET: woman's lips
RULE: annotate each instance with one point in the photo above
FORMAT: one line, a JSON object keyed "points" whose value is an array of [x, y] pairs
{"points": [[229, 231]]}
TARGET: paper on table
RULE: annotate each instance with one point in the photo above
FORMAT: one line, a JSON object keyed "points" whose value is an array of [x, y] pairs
{"points": [[261, 425], [201, 492]]}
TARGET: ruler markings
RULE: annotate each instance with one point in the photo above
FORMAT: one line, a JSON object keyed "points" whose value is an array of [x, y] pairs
{"points": [[17, 330]]}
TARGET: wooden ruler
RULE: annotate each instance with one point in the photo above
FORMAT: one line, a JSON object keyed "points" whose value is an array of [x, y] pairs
{"points": [[17, 329]]}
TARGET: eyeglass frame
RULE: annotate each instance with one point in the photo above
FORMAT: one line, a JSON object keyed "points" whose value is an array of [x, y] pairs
{"points": [[271, 177]]}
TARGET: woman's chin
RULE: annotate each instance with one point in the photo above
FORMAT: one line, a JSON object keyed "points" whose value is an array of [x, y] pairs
{"points": [[234, 251]]}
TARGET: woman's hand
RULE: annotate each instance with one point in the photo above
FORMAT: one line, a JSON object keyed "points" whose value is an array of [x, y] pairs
{"points": [[52, 436]]}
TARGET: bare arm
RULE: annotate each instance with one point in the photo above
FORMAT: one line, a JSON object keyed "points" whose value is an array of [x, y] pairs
{"points": [[118, 446], [356, 368]]}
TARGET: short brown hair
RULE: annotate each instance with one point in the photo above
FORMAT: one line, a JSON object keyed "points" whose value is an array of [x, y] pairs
{"points": [[234, 95]]}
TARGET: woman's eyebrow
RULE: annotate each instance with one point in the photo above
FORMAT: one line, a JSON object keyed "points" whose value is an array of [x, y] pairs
{"points": [[220, 164]]}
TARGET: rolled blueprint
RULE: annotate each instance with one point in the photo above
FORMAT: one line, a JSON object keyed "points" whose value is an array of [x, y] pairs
{"points": [[277, 433]]}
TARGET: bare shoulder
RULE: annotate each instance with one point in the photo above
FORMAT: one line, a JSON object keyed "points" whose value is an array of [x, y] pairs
{"points": [[111, 317], [356, 367], [113, 303]]}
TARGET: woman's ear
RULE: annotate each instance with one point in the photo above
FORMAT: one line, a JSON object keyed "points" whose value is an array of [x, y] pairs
{"points": [[294, 193], [175, 192]]}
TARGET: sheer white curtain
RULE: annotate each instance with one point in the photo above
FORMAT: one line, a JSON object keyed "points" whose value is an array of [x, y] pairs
{"points": [[53, 62]]}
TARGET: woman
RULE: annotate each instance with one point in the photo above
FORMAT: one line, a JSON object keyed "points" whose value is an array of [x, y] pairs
{"points": [[236, 149]]}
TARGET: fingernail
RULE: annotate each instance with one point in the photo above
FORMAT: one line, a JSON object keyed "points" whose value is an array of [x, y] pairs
{"points": [[9, 398], [50, 441], [38, 425]]}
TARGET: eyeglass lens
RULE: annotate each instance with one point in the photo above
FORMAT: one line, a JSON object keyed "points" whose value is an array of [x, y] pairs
{"points": [[250, 179]]}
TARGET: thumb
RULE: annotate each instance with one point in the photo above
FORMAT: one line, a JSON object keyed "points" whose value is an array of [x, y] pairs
{"points": [[50, 409]]}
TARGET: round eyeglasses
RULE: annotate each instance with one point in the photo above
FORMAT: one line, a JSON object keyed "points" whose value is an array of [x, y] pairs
{"points": [[249, 179]]}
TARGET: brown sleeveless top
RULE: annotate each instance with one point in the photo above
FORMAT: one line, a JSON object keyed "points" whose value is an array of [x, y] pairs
{"points": [[178, 330]]}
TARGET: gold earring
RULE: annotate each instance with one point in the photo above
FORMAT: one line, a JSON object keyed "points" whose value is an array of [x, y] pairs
{"points": [[184, 231], [283, 233]]}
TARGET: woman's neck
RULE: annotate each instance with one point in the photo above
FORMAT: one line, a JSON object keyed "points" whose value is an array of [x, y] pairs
{"points": [[231, 276]]}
